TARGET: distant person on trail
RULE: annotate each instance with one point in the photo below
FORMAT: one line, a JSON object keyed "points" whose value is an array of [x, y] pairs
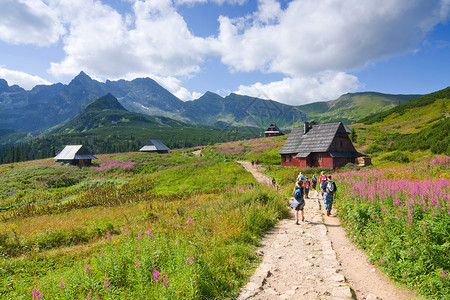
{"points": [[253, 163], [298, 203], [313, 182], [274, 183], [329, 193], [322, 180], [307, 185], [300, 176]]}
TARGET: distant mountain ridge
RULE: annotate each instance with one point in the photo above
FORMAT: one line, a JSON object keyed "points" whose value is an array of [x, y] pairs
{"points": [[351, 107], [106, 111], [23, 110], [46, 106]]}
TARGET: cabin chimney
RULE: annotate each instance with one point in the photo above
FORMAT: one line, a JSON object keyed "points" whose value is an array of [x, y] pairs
{"points": [[307, 126]]}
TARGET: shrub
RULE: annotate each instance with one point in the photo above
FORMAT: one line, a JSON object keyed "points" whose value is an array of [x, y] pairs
{"points": [[397, 156], [62, 182]]}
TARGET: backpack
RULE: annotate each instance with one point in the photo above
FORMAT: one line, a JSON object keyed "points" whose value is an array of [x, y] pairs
{"points": [[330, 187], [298, 195], [307, 184]]}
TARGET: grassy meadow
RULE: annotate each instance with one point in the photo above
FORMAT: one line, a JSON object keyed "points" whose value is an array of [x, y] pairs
{"points": [[133, 226], [174, 226]]}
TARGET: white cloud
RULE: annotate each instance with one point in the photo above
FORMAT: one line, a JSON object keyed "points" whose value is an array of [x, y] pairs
{"points": [[22, 79], [173, 85], [28, 22], [301, 90], [154, 41], [308, 41], [312, 36]]}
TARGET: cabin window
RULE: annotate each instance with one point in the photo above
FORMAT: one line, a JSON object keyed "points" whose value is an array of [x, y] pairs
{"points": [[286, 157], [316, 157], [341, 144]]}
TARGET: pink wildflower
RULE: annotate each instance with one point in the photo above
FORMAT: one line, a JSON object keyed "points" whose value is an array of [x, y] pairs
{"points": [[87, 269], [156, 275], [149, 232], [37, 294], [62, 284], [107, 284]]}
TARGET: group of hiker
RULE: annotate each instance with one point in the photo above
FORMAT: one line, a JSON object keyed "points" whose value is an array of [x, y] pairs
{"points": [[301, 192]]}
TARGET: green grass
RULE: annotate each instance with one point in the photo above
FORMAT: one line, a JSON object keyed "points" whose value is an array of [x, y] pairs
{"points": [[206, 218]]}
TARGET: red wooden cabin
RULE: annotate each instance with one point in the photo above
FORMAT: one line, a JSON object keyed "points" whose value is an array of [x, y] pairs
{"points": [[319, 145]]}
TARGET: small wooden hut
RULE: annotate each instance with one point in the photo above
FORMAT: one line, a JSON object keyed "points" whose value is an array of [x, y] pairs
{"points": [[273, 130], [76, 155], [154, 145]]}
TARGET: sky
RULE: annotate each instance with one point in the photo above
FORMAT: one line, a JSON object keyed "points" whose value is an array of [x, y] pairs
{"points": [[294, 52]]}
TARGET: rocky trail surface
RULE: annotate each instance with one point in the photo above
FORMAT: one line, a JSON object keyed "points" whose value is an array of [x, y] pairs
{"points": [[314, 260]]}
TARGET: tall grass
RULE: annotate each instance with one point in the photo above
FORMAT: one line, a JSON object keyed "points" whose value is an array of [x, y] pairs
{"points": [[203, 249]]}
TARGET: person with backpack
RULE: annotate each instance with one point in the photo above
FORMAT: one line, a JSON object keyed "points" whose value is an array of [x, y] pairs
{"points": [[329, 193], [299, 201], [307, 185], [322, 180], [313, 182]]}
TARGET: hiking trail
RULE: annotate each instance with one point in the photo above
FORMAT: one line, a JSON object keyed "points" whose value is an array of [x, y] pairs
{"points": [[314, 260]]}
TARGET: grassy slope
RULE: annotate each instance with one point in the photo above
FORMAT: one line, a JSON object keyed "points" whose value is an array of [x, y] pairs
{"points": [[406, 126], [351, 107]]}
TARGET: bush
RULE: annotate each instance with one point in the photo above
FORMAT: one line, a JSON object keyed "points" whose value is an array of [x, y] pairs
{"points": [[62, 182], [397, 156]]}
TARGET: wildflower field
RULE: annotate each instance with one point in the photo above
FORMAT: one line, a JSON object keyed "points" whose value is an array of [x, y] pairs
{"points": [[133, 226], [400, 216]]}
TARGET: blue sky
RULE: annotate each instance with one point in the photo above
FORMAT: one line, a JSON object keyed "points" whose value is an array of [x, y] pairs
{"points": [[294, 52]]}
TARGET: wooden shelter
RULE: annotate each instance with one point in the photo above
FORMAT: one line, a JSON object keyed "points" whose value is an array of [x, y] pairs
{"points": [[76, 155], [273, 130], [319, 145], [154, 145]]}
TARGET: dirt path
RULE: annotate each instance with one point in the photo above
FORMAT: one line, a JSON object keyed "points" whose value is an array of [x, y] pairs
{"points": [[314, 260]]}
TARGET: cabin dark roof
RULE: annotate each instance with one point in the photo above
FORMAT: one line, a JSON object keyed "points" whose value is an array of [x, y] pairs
{"points": [[71, 152], [272, 129], [317, 139], [154, 145]]}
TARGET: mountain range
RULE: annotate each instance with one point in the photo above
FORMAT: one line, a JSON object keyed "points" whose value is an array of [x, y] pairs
{"points": [[47, 106]]}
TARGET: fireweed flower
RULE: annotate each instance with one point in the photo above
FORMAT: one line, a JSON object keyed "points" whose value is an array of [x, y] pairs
{"points": [[149, 233], [87, 269], [125, 230], [166, 280], [62, 284], [107, 284], [108, 236], [189, 260], [189, 221], [37, 294], [156, 275]]}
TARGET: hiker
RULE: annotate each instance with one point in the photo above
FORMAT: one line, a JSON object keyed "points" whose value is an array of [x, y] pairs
{"points": [[300, 176], [307, 185], [322, 180], [329, 193], [274, 183], [253, 163], [313, 182], [298, 203]]}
